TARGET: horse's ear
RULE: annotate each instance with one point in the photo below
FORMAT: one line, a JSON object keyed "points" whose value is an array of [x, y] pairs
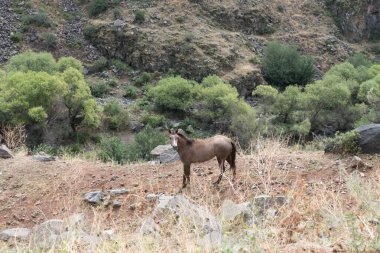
{"points": [[176, 131]]}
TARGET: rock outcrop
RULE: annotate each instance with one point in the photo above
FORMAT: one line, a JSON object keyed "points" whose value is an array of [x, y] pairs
{"points": [[369, 138]]}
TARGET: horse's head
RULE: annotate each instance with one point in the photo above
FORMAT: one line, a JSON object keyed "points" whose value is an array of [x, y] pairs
{"points": [[174, 138]]}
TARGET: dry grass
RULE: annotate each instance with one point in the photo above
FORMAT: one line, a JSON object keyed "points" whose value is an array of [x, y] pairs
{"points": [[329, 207]]}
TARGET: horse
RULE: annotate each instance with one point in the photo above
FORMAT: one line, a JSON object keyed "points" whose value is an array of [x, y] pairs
{"points": [[201, 150]]}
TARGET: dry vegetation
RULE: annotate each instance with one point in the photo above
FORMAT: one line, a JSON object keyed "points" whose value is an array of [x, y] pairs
{"points": [[331, 208]]}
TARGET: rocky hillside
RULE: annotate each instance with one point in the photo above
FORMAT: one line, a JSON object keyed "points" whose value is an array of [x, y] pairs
{"points": [[193, 38]]}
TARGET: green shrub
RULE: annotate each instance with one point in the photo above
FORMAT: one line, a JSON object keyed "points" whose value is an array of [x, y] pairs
{"points": [[100, 89], [69, 62], [173, 93], [280, 8], [90, 33], [139, 16], [16, 36], [211, 81], [283, 65], [47, 149], [39, 19], [131, 91], [344, 143], [376, 48], [112, 149], [180, 19], [116, 13], [153, 120], [142, 79], [117, 118], [31, 61], [145, 141], [95, 7], [112, 83], [359, 59], [100, 64], [120, 66], [49, 41]]}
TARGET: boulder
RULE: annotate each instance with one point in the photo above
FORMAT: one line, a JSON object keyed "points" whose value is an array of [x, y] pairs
{"points": [[136, 126], [95, 197], [48, 232], [369, 138], [118, 191], [18, 234], [264, 204], [231, 211], [166, 153], [179, 208], [357, 163], [44, 157], [5, 152]]}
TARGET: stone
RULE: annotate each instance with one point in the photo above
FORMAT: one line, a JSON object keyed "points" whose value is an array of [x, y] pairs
{"points": [[151, 196], [75, 220], [119, 191], [118, 23], [231, 211], [358, 164], [190, 129], [116, 204], [160, 149], [95, 197], [5, 152], [44, 157], [166, 153], [136, 126], [265, 204], [178, 207], [47, 233], [369, 138], [18, 234]]}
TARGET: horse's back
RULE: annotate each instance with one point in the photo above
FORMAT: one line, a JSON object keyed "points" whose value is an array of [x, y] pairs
{"points": [[222, 145]]}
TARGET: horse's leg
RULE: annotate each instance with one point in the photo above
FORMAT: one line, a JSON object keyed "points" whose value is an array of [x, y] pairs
{"points": [[186, 175], [222, 168], [233, 168]]}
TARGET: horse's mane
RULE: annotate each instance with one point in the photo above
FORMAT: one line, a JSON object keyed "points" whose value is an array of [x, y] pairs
{"points": [[188, 141]]}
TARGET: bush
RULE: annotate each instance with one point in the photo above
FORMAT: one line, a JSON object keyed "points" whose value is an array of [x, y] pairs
{"points": [[117, 118], [120, 66], [100, 64], [211, 81], [131, 91], [100, 89], [376, 48], [90, 33], [139, 16], [95, 7], [31, 61], [283, 65], [344, 143], [145, 141], [16, 37], [116, 13], [112, 149], [359, 59], [40, 19], [49, 41], [142, 79], [153, 120], [69, 62], [173, 93]]}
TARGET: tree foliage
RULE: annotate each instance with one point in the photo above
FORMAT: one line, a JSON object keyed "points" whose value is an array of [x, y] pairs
{"points": [[283, 65]]}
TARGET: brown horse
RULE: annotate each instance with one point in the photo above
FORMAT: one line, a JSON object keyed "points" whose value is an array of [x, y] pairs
{"points": [[201, 150]]}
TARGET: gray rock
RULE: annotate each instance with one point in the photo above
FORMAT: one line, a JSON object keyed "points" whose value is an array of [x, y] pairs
{"points": [[119, 191], [75, 220], [44, 158], [151, 196], [18, 234], [166, 153], [118, 23], [369, 138], [116, 204], [149, 227], [95, 197], [169, 156], [48, 232], [190, 129], [181, 208], [264, 204], [160, 149], [231, 211], [136, 126], [5, 152]]}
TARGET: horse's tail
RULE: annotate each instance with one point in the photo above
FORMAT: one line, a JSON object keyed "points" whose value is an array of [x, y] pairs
{"points": [[233, 155]]}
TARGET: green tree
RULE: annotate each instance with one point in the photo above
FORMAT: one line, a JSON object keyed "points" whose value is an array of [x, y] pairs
{"points": [[117, 118], [283, 65], [69, 62], [173, 93], [31, 61], [30, 96]]}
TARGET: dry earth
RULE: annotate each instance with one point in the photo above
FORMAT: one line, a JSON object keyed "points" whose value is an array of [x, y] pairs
{"points": [[34, 191]]}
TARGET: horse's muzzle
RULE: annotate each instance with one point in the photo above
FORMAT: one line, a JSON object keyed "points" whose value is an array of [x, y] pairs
{"points": [[175, 147]]}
